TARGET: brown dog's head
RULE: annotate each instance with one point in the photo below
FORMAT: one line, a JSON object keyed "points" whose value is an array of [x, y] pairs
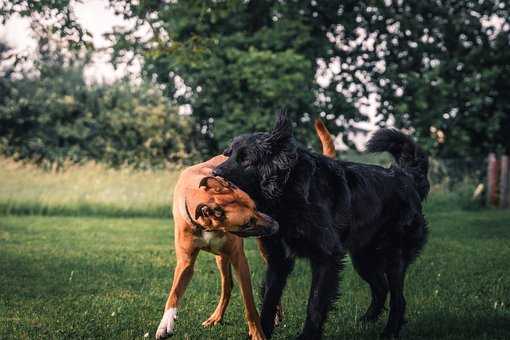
{"points": [[223, 206]]}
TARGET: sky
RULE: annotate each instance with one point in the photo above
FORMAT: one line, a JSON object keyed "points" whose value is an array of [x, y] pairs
{"points": [[97, 18]]}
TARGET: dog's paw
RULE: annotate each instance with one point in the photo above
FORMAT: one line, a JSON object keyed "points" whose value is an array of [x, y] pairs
{"points": [[371, 315], [255, 331], [393, 330], [278, 318], [390, 334], [166, 326], [213, 320], [255, 335], [303, 337], [309, 335]]}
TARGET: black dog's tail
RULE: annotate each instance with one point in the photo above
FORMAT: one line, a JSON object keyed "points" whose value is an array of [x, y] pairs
{"points": [[408, 155]]}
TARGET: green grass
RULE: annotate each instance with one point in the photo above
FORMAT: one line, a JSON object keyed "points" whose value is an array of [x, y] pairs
{"points": [[89, 277], [93, 190]]}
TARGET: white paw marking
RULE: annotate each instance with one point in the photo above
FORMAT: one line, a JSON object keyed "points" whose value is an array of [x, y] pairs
{"points": [[166, 326]]}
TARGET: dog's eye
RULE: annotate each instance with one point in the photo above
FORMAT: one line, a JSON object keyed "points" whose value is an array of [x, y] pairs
{"points": [[243, 159], [245, 162], [218, 212]]}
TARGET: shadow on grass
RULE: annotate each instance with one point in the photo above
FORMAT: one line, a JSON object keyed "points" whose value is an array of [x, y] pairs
{"points": [[71, 297], [448, 325], [52, 277]]}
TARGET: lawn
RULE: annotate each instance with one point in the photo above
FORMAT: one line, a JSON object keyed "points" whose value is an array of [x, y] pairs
{"points": [[97, 277]]}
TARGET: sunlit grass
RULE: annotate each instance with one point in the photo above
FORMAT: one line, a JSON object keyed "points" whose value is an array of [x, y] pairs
{"points": [[93, 190], [89, 189]]}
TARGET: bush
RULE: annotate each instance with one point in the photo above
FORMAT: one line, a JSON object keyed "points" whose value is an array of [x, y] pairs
{"points": [[56, 119]]}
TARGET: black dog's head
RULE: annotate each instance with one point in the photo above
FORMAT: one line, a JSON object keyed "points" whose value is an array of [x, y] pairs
{"points": [[260, 163]]}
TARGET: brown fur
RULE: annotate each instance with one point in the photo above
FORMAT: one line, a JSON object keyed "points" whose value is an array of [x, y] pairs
{"points": [[239, 209]]}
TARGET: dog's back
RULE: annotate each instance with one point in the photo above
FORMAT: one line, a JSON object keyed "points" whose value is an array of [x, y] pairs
{"points": [[325, 206]]}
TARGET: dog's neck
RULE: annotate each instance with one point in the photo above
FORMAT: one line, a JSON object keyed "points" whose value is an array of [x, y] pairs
{"points": [[197, 227], [192, 199]]}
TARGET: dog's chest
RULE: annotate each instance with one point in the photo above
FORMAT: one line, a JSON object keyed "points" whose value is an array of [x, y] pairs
{"points": [[211, 241]]}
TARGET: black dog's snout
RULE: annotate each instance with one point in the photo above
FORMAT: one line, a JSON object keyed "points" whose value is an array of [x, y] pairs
{"points": [[221, 170], [217, 172]]}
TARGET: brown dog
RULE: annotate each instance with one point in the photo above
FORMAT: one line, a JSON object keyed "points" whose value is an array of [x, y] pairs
{"points": [[207, 212]]}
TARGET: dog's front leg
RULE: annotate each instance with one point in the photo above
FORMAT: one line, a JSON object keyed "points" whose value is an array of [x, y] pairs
{"points": [[242, 271], [182, 275], [279, 266], [279, 309], [323, 292]]}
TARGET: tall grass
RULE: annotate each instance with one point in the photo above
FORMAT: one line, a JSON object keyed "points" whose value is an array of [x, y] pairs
{"points": [[89, 189], [94, 190]]}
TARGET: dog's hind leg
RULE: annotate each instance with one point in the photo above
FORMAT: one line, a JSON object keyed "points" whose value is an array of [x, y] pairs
{"points": [[223, 264], [395, 271], [242, 271], [414, 239], [370, 266]]}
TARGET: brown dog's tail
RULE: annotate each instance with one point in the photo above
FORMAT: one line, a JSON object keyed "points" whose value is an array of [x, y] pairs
{"points": [[328, 146]]}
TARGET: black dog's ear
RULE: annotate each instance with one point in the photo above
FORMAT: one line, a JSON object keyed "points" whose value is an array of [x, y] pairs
{"points": [[282, 130]]}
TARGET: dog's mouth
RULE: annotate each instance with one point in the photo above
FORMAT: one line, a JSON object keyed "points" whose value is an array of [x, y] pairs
{"points": [[264, 226]]}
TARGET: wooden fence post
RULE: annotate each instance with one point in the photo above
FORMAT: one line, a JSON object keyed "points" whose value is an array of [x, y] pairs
{"points": [[504, 190], [492, 179]]}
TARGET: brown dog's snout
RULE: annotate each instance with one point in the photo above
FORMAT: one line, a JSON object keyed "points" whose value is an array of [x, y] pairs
{"points": [[265, 221], [259, 226]]}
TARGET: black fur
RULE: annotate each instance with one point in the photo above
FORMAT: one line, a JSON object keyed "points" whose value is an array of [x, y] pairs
{"points": [[327, 208]]}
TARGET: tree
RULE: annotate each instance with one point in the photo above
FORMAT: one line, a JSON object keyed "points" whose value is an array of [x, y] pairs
{"points": [[443, 70], [52, 118], [240, 63], [439, 68]]}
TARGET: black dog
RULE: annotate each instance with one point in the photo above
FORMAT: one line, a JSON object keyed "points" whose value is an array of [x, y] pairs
{"points": [[327, 207]]}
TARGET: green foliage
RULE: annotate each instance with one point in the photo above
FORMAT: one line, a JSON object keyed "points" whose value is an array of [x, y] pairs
{"points": [[240, 62], [439, 68], [55, 118], [445, 70], [139, 127]]}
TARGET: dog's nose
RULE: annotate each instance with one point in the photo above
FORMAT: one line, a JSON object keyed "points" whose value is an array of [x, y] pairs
{"points": [[217, 172]]}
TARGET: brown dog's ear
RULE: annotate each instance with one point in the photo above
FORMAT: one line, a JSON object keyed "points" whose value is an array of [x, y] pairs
{"points": [[203, 210], [216, 184]]}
